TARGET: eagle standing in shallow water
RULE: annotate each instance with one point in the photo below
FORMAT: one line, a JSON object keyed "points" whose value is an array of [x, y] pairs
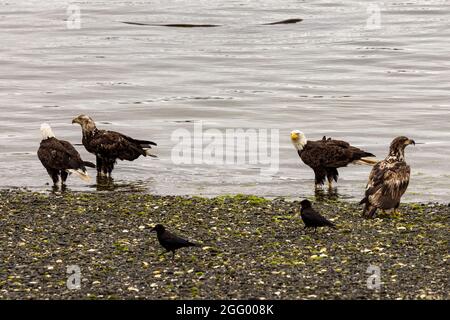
{"points": [[326, 155], [108, 146], [388, 180], [60, 158]]}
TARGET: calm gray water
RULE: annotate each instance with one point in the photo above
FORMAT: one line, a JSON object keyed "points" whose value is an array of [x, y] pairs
{"points": [[329, 74]]}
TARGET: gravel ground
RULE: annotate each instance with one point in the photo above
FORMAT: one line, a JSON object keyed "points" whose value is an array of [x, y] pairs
{"points": [[250, 248]]}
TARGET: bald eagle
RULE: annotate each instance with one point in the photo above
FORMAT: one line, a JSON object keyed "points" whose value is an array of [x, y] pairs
{"points": [[108, 146], [326, 155], [388, 180], [60, 157]]}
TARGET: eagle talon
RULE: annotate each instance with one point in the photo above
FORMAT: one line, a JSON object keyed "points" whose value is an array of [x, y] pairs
{"points": [[396, 213]]}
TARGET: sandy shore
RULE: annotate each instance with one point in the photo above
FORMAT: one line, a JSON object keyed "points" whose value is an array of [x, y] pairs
{"points": [[250, 248]]}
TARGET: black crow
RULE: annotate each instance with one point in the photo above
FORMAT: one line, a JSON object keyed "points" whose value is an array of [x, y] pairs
{"points": [[312, 218], [169, 241]]}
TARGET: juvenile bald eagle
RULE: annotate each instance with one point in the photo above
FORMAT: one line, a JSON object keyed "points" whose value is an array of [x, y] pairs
{"points": [[326, 155], [108, 146], [388, 180], [60, 157]]}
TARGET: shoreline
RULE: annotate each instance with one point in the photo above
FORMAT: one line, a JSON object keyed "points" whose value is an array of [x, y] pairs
{"points": [[319, 195], [250, 248]]}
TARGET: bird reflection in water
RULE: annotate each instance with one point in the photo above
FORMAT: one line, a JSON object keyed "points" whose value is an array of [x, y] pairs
{"points": [[328, 194], [55, 189], [108, 184], [105, 184]]}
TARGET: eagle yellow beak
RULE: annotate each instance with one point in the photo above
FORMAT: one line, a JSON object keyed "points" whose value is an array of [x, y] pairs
{"points": [[294, 136]]}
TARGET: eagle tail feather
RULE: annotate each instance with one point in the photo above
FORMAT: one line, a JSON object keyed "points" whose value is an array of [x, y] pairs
{"points": [[145, 143], [148, 152], [369, 161], [83, 175], [89, 164], [368, 155]]}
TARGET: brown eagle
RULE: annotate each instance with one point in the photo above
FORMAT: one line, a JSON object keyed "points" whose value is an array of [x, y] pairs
{"points": [[326, 155], [60, 158], [108, 146], [388, 180]]}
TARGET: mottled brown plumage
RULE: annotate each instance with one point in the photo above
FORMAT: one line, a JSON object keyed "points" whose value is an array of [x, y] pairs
{"points": [[108, 146], [326, 155], [388, 180]]}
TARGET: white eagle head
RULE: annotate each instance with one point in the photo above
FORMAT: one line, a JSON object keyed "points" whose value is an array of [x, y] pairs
{"points": [[85, 122], [298, 139], [46, 131]]}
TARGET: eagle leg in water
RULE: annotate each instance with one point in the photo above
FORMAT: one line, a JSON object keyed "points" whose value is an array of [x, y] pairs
{"points": [[64, 175]]}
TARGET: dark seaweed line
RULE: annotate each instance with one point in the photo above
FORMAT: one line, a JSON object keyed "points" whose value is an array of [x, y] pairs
{"points": [[189, 25]]}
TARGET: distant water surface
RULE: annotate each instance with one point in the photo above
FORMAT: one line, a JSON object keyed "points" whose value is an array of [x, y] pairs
{"points": [[327, 75]]}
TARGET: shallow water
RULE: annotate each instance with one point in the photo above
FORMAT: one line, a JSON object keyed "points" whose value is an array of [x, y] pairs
{"points": [[327, 75]]}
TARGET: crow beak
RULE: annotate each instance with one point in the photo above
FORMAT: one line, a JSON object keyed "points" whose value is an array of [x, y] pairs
{"points": [[152, 229]]}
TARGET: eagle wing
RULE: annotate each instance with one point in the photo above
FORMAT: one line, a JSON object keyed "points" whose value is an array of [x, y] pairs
{"points": [[59, 155], [142, 143], [387, 183], [71, 151], [114, 145], [331, 153]]}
